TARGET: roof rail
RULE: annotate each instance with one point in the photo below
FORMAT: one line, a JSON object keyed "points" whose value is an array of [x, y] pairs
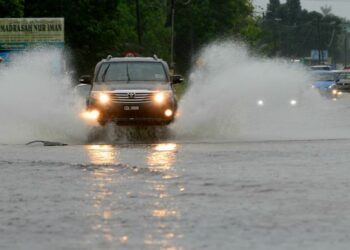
{"points": [[155, 57], [109, 57]]}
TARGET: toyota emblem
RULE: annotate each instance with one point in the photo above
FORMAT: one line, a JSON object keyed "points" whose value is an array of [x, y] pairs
{"points": [[131, 95]]}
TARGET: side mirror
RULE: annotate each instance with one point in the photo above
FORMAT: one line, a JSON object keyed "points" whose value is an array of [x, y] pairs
{"points": [[85, 79], [177, 79], [82, 90]]}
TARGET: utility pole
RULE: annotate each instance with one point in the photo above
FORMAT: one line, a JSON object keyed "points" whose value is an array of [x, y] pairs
{"points": [[172, 34], [319, 41], [346, 50], [173, 3]]}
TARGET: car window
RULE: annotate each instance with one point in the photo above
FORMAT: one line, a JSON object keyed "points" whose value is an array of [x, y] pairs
{"points": [[132, 71], [344, 76], [101, 72]]}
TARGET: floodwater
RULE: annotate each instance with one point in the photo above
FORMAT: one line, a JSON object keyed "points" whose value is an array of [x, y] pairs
{"points": [[176, 195], [230, 173]]}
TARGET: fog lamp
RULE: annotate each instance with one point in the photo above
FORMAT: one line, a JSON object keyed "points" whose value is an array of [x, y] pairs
{"points": [[168, 113], [91, 114]]}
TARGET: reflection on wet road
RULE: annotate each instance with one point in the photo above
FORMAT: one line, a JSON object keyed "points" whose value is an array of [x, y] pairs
{"points": [[236, 195], [102, 154], [157, 223], [102, 177]]}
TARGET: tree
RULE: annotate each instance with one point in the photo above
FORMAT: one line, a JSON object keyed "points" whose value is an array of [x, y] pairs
{"points": [[326, 10], [293, 11], [96, 28], [89, 26], [11, 8], [200, 22], [295, 32], [273, 9]]}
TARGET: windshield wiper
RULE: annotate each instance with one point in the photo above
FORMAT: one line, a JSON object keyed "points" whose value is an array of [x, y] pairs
{"points": [[105, 72], [127, 72]]}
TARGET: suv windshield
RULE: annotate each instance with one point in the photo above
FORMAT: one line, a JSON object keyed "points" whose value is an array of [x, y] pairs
{"points": [[131, 71]]}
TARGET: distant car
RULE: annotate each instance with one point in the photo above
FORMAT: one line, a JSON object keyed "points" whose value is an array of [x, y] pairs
{"points": [[284, 97], [343, 81], [292, 102], [325, 83], [132, 91]]}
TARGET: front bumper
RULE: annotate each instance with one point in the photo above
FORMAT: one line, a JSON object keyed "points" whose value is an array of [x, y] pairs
{"points": [[135, 113], [343, 88]]}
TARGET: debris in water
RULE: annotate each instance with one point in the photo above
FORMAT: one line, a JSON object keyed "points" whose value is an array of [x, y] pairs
{"points": [[47, 143]]}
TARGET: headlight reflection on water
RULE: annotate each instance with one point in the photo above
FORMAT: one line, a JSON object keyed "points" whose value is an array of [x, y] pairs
{"points": [[154, 188], [161, 159], [102, 154], [102, 192], [166, 147]]}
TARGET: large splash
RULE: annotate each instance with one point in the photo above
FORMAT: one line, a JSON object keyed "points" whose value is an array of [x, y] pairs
{"points": [[234, 95], [36, 100]]}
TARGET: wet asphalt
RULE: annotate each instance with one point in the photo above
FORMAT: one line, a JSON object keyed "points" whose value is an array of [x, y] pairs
{"points": [[176, 195]]}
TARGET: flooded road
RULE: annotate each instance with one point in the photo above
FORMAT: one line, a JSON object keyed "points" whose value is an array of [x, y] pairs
{"points": [[256, 159], [176, 195]]}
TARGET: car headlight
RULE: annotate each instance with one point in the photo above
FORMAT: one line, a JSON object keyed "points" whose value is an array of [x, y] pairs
{"points": [[260, 103], [160, 97], [293, 102], [102, 98]]}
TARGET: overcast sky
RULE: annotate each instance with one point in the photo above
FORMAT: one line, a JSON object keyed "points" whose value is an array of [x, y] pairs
{"points": [[339, 7]]}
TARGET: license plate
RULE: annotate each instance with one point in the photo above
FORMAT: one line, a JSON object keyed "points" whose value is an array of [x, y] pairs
{"points": [[131, 107]]}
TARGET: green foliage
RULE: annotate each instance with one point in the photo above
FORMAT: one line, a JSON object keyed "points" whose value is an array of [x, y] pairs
{"points": [[155, 35], [293, 8], [203, 21], [11, 8], [96, 28], [273, 9], [293, 32]]}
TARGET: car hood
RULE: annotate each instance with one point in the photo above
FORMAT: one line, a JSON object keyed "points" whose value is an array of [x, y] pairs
{"points": [[342, 81], [131, 85], [323, 84]]}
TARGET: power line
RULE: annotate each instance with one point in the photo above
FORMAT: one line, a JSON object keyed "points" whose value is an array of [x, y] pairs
{"points": [[328, 1]]}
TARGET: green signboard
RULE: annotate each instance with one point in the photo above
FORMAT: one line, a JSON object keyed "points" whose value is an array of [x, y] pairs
{"points": [[20, 33]]}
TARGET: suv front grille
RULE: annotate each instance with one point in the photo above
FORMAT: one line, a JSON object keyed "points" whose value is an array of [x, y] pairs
{"points": [[132, 97]]}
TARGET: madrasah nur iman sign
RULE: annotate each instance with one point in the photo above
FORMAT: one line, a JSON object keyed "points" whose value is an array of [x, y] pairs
{"points": [[19, 33]]}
